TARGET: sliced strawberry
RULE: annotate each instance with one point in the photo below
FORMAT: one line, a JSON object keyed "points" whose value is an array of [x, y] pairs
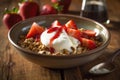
{"points": [[56, 23], [90, 44], [35, 30], [71, 24], [64, 27], [37, 38], [89, 33], [74, 33], [52, 29]]}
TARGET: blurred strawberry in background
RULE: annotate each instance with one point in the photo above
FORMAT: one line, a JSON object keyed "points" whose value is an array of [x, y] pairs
{"points": [[28, 9], [11, 17], [48, 9], [62, 3]]}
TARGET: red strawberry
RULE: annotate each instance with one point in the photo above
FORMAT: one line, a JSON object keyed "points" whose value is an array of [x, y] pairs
{"points": [[29, 9], [64, 3], [48, 9], [71, 24], [11, 17], [35, 30], [90, 33], [90, 44], [56, 23], [74, 33], [54, 1], [52, 29]]}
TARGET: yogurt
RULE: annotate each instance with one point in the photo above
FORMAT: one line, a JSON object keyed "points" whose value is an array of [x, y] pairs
{"points": [[64, 41]]}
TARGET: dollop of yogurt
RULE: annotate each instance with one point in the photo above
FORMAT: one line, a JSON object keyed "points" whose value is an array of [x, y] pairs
{"points": [[64, 41]]}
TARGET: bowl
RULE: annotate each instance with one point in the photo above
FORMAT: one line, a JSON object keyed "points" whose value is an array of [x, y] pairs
{"points": [[59, 61]]}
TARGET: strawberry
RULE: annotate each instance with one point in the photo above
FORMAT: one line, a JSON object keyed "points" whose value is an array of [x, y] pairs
{"points": [[90, 33], [52, 29], [71, 24], [74, 33], [48, 9], [90, 44], [54, 1], [29, 9], [11, 17], [37, 38], [63, 3], [64, 27], [56, 23], [35, 30]]}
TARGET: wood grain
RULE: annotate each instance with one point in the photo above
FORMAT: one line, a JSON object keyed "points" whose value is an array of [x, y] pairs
{"points": [[14, 67], [72, 74]]}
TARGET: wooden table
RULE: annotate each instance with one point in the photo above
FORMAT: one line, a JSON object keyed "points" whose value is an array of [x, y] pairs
{"points": [[15, 67]]}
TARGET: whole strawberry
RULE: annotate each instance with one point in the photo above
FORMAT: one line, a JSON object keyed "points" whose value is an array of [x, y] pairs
{"points": [[48, 9], [63, 3], [11, 17], [28, 9]]}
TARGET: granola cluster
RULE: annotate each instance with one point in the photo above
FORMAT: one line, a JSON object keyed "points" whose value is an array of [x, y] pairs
{"points": [[37, 47]]}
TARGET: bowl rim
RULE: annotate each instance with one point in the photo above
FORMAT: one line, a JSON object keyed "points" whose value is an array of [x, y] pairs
{"points": [[105, 44]]}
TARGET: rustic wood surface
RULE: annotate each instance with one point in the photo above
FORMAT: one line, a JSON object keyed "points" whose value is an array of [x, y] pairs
{"points": [[15, 67]]}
